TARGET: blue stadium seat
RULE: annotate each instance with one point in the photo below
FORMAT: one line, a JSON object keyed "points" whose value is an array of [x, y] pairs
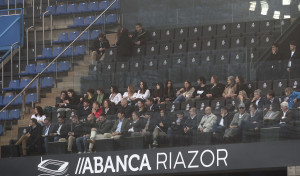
{"points": [[29, 69], [47, 82], [7, 99], [100, 21], [62, 38], [4, 115], [56, 51], [103, 5], [51, 68], [63, 66], [72, 8], [94, 34], [78, 21], [51, 10], [1, 130], [88, 20], [13, 85], [111, 19], [1, 100], [116, 5], [68, 52], [73, 35], [18, 100], [85, 36], [94, 6], [79, 50], [14, 114], [83, 7], [40, 67], [33, 85], [46, 53], [61, 10], [31, 98], [24, 83]]}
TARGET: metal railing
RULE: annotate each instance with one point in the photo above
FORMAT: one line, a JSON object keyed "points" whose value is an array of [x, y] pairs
{"points": [[11, 58], [54, 60], [27, 39]]}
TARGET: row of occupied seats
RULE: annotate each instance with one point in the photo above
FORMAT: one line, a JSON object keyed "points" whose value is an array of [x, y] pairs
{"points": [[83, 22], [81, 8], [16, 85], [47, 53], [30, 69], [29, 98], [13, 114], [206, 44], [11, 2], [230, 29], [67, 38]]}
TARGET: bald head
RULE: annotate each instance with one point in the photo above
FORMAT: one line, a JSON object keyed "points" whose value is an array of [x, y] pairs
{"points": [[124, 102]]}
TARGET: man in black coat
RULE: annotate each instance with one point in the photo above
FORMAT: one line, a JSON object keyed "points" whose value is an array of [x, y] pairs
{"points": [[222, 123], [84, 110], [292, 68], [164, 122], [61, 132], [151, 107], [99, 46], [190, 127], [176, 128], [126, 108], [136, 125], [140, 36]]}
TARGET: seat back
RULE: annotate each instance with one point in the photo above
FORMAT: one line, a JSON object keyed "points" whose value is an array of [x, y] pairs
{"points": [[72, 8], [40, 67], [47, 82], [14, 114], [95, 34], [79, 50], [4, 115], [57, 51], [31, 98], [14, 84], [61, 9], [73, 35], [47, 52], [94, 6], [24, 83], [30, 68], [88, 20], [63, 66], [111, 19], [103, 5], [83, 7]]}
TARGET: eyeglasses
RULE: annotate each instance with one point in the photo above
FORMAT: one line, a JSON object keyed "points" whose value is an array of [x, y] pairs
{"points": [[242, 108]]}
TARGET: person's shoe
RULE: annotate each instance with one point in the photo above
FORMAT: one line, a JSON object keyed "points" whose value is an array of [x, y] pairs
{"points": [[79, 152], [155, 143], [90, 141]]}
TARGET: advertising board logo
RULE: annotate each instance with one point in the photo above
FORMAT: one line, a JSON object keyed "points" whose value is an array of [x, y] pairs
{"points": [[53, 167]]}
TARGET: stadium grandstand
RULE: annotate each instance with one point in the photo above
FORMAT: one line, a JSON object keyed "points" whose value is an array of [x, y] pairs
{"points": [[148, 87]]}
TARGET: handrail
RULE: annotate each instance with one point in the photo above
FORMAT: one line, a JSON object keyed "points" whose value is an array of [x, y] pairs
{"points": [[43, 21], [54, 60], [27, 40], [11, 59]]}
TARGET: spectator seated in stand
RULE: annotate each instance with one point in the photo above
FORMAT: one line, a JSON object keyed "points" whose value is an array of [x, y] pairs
{"points": [[84, 110], [190, 127], [243, 99], [151, 107], [124, 45], [241, 85], [259, 100], [175, 131], [230, 89], [271, 115], [201, 89], [271, 99], [96, 111], [140, 108], [87, 126], [285, 117], [216, 89], [136, 124], [61, 132], [222, 123], [161, 128], [169, 94], [103, 125], [98, 48], [108, 108], [62, 101], [207, 121], [100, 96], [115, 96], [71, 103], [291, 96], [47, 133], [89, 96], [184, 94], [126, 108], [39, 115], [158, 94], [75, 131], [130, 94]]}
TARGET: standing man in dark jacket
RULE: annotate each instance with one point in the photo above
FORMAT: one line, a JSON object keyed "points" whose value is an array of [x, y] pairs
{"points": [[190, 127], [97, 133], [124, 45], [140, 36], [292, 68], [98, 48], [75, 131]]}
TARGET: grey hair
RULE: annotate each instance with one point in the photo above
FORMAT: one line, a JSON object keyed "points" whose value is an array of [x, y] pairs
{"points": [[284, 104], [258, 91]]}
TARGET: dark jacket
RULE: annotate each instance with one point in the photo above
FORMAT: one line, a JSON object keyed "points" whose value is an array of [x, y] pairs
{"points": [[258, 116], [261, 104], [192, 123], [171, 95], [216, 91], [52, 129], [124, 127], [240, 87], [137, 126], [199, 88], [142, 37], [35, 135], [124, 46], [110, 111], [275, 101], [127, 110], [152, 124], [295, 56], [83, 113], [63, 130], [104, 127], [227, 120], [97, 44], [166, 121], [77, 129], [87, 126], [153, 108], [73, 102], [178, 126], [288, 118]]}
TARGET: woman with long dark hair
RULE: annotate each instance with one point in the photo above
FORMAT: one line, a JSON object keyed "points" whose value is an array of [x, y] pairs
{"points": [[186, 93], [115, 96], [169, 94], [241, 85], [144, 92], [158, 94], [216, 89], [39, 115]]}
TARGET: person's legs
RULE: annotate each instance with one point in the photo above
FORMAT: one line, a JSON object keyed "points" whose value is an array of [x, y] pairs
{"points": [[46, 144], [85, 143], [179, 99], [79, 140], [116, 137], [71, 140], [95, 56], [24, 145], [107, 135], [96, 137], [56, 138]]}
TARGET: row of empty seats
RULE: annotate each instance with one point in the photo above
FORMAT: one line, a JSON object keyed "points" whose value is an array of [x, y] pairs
{"points": [[19, 85], [81, 8], [31, 69], [29, 98], [48, 53], [11, 2], [67, 38], [229, 29], [83, 22], [13, 114]]}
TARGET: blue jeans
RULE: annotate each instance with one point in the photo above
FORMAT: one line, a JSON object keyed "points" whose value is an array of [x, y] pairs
{"points": [[46, 144], [80, 140], [56, 138], [179, 99]]}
